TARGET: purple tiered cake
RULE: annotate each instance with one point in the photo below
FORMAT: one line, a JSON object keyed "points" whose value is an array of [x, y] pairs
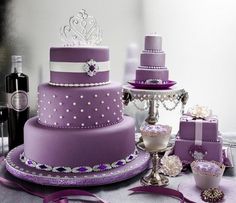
{"points": [[80, 125], [152, 61], [198, 136]]}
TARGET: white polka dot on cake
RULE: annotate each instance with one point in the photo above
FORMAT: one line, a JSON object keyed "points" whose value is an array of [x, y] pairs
{"points": [[114, 113], [61, 117], [75, 117], [67, 96], [95, 109], [49, 102], [108, 108], [54, 96], [102, 115], [96, 123], [49, 116], [60, 103], [114, 100], [118, 118], [82, 124], [54, 110], [81, 110], [74, 103], [81, 96], [44, 108], [89, 117], [118, 105], [95, 95], [55, 123], [89, 103], [67, 110], [68, 124], [102, 102], [108, 94], [44, 95], [108, 121]]}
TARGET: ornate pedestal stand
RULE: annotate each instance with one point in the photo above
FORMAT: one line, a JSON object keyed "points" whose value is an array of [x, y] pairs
{"points": [[169, 98]]}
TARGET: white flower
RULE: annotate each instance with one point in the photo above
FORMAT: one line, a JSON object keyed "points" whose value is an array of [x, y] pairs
{"points": [[171, 165], [199, 112]]}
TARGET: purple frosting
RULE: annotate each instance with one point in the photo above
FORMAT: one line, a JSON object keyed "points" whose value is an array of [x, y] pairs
{"points": [[83, 147], [79, 54], [145, 74], [153, 42], [80, 107], [78, 78], [152, 59]]}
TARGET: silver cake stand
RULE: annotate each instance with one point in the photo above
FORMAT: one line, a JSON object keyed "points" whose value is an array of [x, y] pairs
{"points": [[169, 98]]}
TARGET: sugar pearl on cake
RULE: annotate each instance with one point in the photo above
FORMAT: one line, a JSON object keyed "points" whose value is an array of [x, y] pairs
{"points": [[114, 100], [75, 117], [118, 118], [55, 123], [118, 92], [96, 123], [102, 115], [95, 109], [82, 124], [108, 94], [44, 108], [114, 113], [67, 110], [81, 96], [61, 117], [81, 110], [89, 117], [95, 95], [49, 102], [67, 96], [41, 101], [108, 121], [45, 121], [44, 95], [74, 103], [49, 116], [108, 108], [118, 105], [54, 110], [60, 103], [54, 96], [89, 103], [68, 124], [102, 102]]}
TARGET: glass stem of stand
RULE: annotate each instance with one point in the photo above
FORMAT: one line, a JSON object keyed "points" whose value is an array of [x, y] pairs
{"points": [[1, 126], [152, 118]]}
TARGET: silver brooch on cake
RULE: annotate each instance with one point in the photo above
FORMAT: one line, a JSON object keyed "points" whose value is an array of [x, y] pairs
{"points": [[91, 67], [81, 30]]}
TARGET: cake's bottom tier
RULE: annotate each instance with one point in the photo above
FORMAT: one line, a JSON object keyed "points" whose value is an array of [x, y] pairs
{"points": [[188, 151], [78, 147], [146, 74]]}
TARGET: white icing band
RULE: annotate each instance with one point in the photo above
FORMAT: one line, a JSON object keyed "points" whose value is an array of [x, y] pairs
{"points": [[77, 67], [198, 132], [79, 85]]}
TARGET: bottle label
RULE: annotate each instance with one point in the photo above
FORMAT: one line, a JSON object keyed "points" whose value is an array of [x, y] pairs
{"points": [[18, 100]]}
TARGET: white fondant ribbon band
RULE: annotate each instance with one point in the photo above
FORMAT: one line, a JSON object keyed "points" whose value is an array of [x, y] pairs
{"points": [[198, 132], [77, 67]]}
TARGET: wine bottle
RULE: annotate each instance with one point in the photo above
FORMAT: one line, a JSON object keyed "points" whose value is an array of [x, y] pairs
{"points": [[17, 88]]}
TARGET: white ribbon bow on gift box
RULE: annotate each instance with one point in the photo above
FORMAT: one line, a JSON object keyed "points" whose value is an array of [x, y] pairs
{"points": [[199, 113]]}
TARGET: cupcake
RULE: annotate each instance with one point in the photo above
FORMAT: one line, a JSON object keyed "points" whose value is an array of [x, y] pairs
{"points": [[207, 174], [155, 137]]}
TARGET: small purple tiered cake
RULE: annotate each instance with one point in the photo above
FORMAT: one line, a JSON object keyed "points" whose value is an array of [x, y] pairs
{"points": [[152, 61], [198, 136]]}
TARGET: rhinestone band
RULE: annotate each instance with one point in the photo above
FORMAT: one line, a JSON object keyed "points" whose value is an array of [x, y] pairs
{"points": [[78, 169]]}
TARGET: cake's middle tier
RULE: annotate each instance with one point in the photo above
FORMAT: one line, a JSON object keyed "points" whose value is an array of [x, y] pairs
{"points": [[80, 107]]}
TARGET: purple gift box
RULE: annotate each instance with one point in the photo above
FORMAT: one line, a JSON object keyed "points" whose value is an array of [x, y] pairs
{"points": [[188, 151], [189, 127]]}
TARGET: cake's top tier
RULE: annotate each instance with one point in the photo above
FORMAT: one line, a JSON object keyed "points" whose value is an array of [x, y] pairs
{"points": [[79, 66], [153, 42], [152, 56]]}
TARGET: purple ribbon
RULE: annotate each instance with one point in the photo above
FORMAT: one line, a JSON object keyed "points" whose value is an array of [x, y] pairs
{"points": [[161, 191], [56, 197]]}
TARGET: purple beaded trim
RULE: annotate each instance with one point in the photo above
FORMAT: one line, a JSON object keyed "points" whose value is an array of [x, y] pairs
{"points": [[79, 169]]}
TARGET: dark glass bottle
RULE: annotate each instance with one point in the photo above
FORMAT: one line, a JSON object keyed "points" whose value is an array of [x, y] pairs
{"points": [[17, 88]]}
